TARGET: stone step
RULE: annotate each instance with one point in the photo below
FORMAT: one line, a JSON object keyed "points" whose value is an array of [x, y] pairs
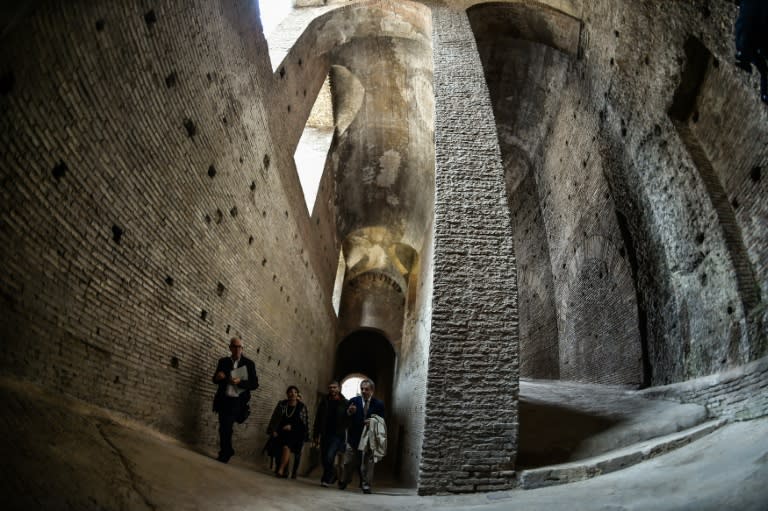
{"points": [[615, 460]]}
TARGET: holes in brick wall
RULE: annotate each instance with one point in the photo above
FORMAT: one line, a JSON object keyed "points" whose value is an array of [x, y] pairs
{"points": [[266, 162], [150, 18], [190, 127], [657, 130], [756, 174], [116, 380], [59, 170], [169, 280], [700, 238], [253, 185], [282, 72], [117, 234], [228, 327], [305, 93], [170, 80], [175, 362], [219, 216], [729, 310], [220, 289], [100, 25], [203, 314], [703, 279], [264, 213], [7, 81], [695, 116], [207, 219], [250, 240], [210, 78], [211, 171], [612, 61], [300, 62], [735, 204], [233, 211], [289, 108], [264, 262], [616, 33], [286, 214]]}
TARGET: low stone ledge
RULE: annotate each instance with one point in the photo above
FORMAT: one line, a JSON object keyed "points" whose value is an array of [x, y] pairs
{"points": [[613, 461]]}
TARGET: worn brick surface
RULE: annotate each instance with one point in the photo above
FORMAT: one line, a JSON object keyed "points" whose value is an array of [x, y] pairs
{"points": [[473, 376], [143, 217]]}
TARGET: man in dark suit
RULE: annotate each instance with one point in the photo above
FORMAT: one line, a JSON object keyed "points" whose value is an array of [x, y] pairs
{"points": [[233, 394], [330, 430], [360, 410]]}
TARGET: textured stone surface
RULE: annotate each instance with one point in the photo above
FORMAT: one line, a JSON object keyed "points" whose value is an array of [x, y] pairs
{"points": [[473, 352], [740, 393], [150, 208]]}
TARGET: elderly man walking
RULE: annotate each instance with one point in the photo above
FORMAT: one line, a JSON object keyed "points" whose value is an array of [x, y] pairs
{"points": [[362, 412], [236, 377]]}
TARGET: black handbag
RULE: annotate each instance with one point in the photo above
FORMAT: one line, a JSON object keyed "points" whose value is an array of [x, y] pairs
{"points": [[243, 413]]}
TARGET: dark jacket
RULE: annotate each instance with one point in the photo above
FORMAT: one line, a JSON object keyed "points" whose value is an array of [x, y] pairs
{"points": [[321, 417], [355, 431], [225, 365]]}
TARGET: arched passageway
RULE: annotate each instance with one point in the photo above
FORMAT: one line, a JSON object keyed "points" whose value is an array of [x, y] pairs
{"points": [[368, 353]]}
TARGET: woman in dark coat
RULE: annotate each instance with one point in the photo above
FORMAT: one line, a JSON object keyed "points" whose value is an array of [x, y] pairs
{"points": [[289, 427]]}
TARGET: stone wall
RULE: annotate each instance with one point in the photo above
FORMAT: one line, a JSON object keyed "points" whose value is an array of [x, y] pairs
{"points": [[410, 389], [144, 216], [473, 351], [737, 394], [686, 274]]}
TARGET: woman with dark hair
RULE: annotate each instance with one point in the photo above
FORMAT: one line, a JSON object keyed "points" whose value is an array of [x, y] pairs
{"points": [[289, 427]]}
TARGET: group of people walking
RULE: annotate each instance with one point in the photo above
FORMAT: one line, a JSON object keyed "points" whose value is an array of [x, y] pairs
{"points": [[353, 428]]}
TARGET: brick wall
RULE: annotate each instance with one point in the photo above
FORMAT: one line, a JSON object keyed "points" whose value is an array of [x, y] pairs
{"points": [[471, 416], [144, 220], [737, 394]]}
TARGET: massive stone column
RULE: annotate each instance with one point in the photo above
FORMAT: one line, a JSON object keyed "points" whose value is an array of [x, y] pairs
{"points": [[470, 435]]}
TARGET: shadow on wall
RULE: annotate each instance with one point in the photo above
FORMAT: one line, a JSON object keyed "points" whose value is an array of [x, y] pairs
{"points": [[551, 434]]}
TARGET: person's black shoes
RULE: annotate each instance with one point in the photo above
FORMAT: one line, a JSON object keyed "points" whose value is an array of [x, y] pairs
{"points": [[342, 486], [224, 458], [367, 490]]}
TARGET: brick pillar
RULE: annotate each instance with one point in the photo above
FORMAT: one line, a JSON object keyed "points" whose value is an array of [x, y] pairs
{"points": [[470, 436]]}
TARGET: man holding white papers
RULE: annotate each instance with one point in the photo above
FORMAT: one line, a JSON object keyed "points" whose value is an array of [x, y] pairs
{"points": [[236, 378]]}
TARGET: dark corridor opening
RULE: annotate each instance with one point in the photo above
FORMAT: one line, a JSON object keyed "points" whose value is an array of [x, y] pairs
{"points": [[370, 353]]}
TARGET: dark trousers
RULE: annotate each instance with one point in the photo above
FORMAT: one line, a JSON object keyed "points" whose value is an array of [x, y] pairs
{"points": [[362, 463], [329, 448], [228, 412]]}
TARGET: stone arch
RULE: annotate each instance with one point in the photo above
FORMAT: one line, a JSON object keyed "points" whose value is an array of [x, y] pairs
{"points": [[368, 351]]}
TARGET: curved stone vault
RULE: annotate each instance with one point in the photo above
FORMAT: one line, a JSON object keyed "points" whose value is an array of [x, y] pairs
{"points": [[565, 190]]}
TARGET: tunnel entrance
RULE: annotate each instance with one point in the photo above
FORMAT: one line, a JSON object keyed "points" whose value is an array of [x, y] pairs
{"points": [[369, 354]]}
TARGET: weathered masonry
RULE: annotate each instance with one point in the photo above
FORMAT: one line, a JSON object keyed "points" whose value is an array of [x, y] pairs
{"points": [[558, 189]]}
